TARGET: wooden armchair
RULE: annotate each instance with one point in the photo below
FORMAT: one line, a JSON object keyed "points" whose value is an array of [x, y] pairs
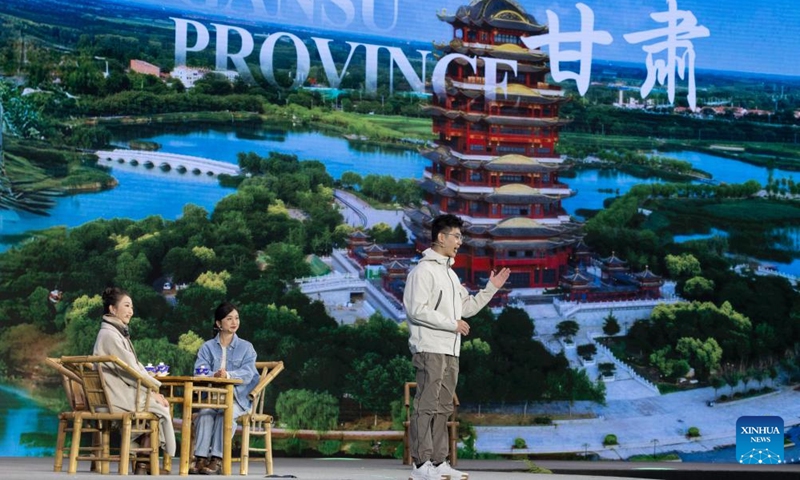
{"points": [[256, 423], [452, 427], [73, 388], [100, 415]]}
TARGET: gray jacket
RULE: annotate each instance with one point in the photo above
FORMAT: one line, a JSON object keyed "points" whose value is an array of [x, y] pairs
{"points": [[434, 300]]}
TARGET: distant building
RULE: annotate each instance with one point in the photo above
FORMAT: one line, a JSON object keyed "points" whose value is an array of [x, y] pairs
{"points": [[140, 66], [189, 75]]}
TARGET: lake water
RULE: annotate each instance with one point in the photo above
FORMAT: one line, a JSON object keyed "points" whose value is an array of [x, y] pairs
{"points": [[145, 192], [26, 430]]}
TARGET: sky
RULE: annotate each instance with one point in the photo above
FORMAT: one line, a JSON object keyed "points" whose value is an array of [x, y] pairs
{"points": [[758, 36]]}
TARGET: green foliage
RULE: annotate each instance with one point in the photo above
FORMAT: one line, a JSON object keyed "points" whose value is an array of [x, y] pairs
{"points": [[304, 409], [693, 432], [567, 329], [611, 325], [682, 266], [329, 448], [609, 440], [375, 383], [519, 442]]}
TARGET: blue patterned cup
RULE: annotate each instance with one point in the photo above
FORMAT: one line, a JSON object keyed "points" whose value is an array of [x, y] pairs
{"points": [[201, 371], [150, 369]]}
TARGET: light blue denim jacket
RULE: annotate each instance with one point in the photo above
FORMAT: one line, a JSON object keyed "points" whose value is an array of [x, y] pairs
{"points": [[241, 363]]}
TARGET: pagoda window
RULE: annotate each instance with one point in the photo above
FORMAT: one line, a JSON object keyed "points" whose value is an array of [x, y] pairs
{"points": [[494, 209], [475, 176], [506, 178], [543, 150], [547, 111], [528, 253], [476, 148], [536, 276], [453, 205], [477, 128], [537, 132], [512, 254], [471, 36], [546, 178], [512, 210], [515, 131], [537, 113], [510, 149], [484, 37], [537, 210]]}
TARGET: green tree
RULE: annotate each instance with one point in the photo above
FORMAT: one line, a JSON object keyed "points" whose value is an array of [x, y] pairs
{"points": [[698, 288], [684, 265], [611, 325], [375, 383], [567, 329], [304, 409]]}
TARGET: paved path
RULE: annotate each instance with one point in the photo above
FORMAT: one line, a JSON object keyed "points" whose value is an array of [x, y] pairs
{"points": [[359, 213], [636, 422]]}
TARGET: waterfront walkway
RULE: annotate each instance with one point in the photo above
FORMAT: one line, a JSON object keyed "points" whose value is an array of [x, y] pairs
{"points": [[638, 421]]}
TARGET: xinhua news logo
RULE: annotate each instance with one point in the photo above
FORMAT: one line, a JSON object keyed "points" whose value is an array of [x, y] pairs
{"points": [[759, 440]]}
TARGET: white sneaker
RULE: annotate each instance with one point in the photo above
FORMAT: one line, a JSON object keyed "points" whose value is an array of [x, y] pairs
{"points": [[446, 472], [426, 471]]}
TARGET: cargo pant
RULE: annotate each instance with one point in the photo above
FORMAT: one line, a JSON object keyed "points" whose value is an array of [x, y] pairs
{"points": [[437, 375]]}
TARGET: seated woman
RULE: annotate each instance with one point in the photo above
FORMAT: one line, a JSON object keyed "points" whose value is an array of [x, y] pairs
{"points": [[114, 339], [228, 356]]}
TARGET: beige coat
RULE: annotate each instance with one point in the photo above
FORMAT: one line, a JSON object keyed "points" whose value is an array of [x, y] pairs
{"points": [[122, 387]]}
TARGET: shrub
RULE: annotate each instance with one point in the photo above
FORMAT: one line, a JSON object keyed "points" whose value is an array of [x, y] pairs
{"points": [[329, 447], [542, 421], [519, 442], [693, 432], [610, 439]]}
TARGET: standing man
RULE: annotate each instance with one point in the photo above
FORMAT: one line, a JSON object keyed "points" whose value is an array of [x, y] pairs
{"points": [[435, 303]]}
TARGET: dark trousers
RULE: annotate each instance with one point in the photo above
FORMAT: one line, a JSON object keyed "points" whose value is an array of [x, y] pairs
{"points": [[437, 375]]}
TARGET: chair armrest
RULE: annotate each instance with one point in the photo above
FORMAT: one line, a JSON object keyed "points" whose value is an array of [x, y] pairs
{"points": [[57, 365], [275, 369]]}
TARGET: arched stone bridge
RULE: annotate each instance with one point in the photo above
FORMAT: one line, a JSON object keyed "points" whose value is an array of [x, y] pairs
{"points": [[166, 161]]}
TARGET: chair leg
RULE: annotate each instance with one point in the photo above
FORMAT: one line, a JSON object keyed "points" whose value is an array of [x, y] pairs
{"points": [[268, 447], [105, 447], [245, 455], [74, 449], [125, 446], [61, 438], [154, 446]]}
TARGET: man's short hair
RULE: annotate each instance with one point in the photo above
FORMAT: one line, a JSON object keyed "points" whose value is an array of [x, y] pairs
{"points": [[443, 224]]}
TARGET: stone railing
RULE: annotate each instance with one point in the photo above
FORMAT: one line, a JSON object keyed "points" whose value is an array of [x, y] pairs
{"points": [[625, 367]]}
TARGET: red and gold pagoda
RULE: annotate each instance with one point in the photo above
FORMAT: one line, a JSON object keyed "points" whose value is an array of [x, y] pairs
{"points": [[494, 162]]}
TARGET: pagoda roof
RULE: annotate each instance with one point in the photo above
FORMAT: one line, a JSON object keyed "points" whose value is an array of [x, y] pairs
{"points": [[614, 260], [506, 14], [358, 234], [519, 193], [475, 117], [518, 163], [374, 248], [530, 244], [505, 163], [522, 67], [506, 51], [577, 277], [524, 227], [395, 265], [647, 276]]}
